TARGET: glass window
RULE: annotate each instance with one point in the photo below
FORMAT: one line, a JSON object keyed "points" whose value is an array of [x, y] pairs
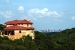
{"points": [[18, 24], [27, 25], [20, 31]]}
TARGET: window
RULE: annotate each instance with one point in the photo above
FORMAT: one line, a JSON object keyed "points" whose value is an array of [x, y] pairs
{"points": [[13, 24], [8, 32], [20, 31], [32, 31], [18, 24], [27, 25], [5, 32], [12, 32], [22, 24]]}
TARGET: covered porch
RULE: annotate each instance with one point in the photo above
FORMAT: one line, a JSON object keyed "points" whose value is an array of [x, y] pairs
{"points": [[8, 32]]}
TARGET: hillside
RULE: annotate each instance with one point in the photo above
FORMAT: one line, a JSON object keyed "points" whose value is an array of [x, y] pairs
{"points": [[64, 40]]}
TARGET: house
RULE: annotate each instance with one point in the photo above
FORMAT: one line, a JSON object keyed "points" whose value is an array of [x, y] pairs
{"points": [[15, 29]]}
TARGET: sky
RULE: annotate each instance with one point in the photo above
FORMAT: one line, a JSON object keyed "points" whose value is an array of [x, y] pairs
{"points": [[45, 14]]}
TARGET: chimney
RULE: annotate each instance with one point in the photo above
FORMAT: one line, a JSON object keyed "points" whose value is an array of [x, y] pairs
{"points": [[27, 19]]}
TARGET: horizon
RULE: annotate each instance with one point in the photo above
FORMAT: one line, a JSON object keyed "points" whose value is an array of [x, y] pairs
{"points": [[45, 14]]}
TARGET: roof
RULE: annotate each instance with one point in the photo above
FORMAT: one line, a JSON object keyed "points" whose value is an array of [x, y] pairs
{"points": [[19, 22], [18, 28]]}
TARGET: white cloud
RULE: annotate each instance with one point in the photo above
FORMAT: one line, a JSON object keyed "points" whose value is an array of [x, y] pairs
{"points": [[6, 14], [21, 9], [73, 18], [43, 13]]}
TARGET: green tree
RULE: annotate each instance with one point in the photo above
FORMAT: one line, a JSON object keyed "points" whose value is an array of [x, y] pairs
{"points": [[2, 26]]}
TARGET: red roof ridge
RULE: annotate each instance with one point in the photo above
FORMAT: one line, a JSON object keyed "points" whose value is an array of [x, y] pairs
{"points": [[19, 22], [18, 28]]}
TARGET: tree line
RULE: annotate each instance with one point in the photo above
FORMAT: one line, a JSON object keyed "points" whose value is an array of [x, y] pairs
{"points": [[64, 40]]}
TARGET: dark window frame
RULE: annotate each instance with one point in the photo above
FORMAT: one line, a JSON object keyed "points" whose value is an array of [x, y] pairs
{"points": [[12, 33], [22, 24], [19, 31], [27, 25]]}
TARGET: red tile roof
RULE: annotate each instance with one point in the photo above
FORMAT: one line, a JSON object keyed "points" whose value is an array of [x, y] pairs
{"points": [[19, 22], [18, 28]]}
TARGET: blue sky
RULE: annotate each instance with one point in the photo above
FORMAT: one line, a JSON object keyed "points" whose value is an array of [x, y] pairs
{"points": [[45, 14]]}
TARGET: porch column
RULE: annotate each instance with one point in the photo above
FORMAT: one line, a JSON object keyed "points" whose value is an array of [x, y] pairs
{"points": [[9, 32], [1, 33]]}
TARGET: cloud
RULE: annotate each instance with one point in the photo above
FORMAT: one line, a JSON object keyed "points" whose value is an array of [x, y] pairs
{"points": [[73, 18], [6, 14], [43, 13], [33, 14], [21, 9]]}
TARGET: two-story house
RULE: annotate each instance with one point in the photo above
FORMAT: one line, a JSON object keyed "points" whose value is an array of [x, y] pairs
{"points": [[17, 28]]}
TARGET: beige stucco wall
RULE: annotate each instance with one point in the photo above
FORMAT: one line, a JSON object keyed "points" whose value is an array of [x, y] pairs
{"points": [[25, 25], [30, 25], [32, 33], [8, 25], [19, 35]]}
